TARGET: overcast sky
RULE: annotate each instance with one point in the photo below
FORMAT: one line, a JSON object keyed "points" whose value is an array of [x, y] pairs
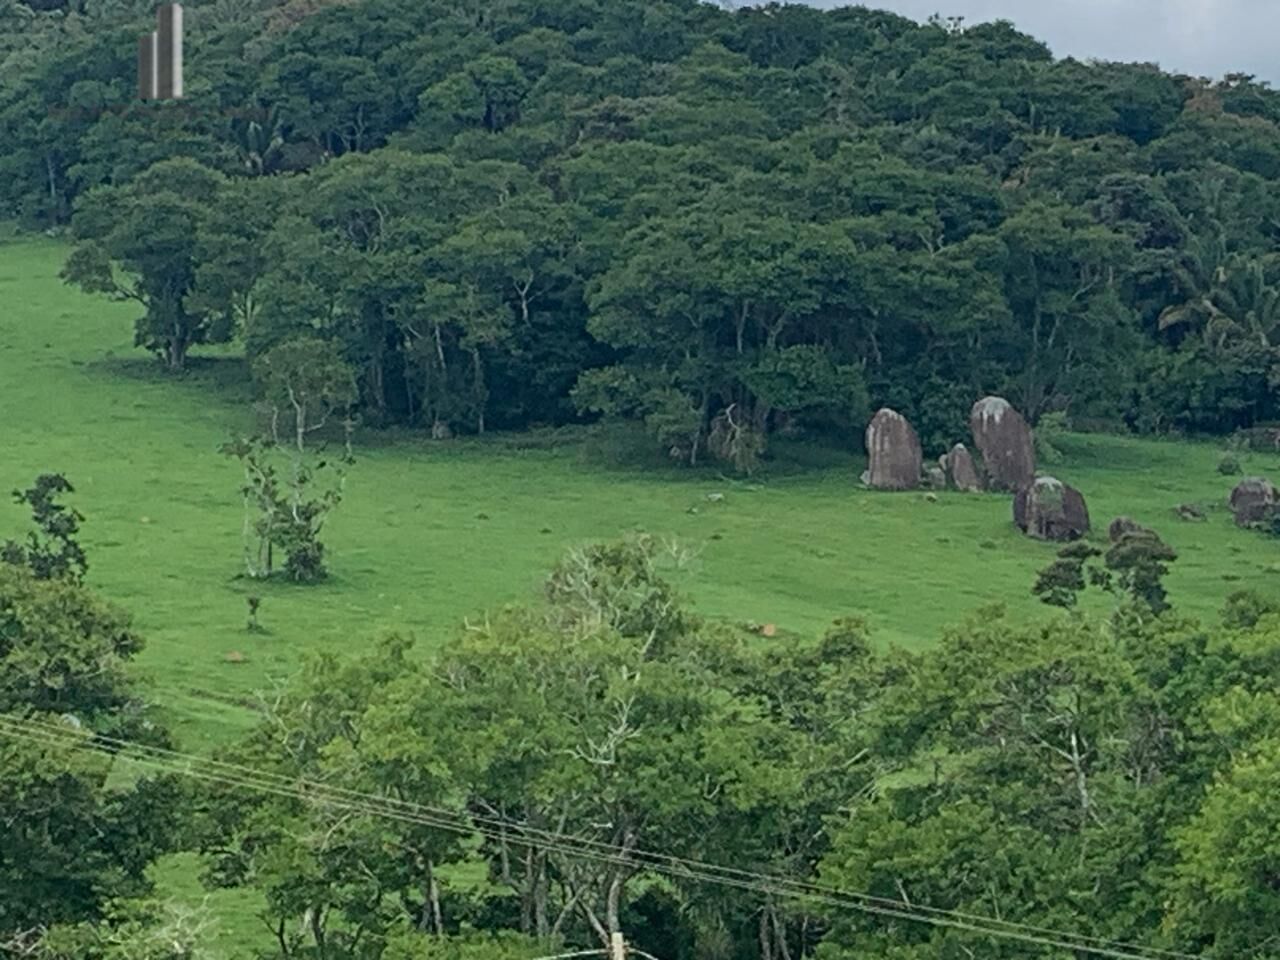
{"points": [[1201, 37]]}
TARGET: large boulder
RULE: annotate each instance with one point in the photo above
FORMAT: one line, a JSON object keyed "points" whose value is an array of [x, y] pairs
{"points": [[963, 469], [893, 447], [1048, 509], [1253, 500], [1004, 439]]}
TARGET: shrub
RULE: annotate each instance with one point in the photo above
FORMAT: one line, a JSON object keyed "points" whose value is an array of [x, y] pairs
{"points": [[1245, 608], [1048, 435]]}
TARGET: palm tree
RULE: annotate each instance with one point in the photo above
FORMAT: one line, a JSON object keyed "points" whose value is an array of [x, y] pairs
{"points": [[1199, 274], [1230, 297], [260, 142], [1249, 302]]}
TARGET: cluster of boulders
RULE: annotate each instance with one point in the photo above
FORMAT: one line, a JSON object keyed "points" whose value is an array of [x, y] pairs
{"points": [[1043, 507]]}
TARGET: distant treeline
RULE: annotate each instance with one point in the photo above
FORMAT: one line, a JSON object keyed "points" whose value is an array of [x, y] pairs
{"points": [[724, 225]]}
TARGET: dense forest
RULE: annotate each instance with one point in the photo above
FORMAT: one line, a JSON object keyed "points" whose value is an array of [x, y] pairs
{"points": [[722, 225]]}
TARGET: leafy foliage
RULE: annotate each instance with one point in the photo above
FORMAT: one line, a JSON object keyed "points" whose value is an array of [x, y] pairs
{"points": [[720, 224], [1089, 755], [54, 552], [74, 840], [1135, 567], [286, 513]]}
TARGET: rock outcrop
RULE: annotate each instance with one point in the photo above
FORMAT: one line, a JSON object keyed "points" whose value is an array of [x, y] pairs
{"points": [[963, 470], [893, 447], [1253, 500], [1005, 441], [1123, 526], [1048, 509], [1190, 512]]}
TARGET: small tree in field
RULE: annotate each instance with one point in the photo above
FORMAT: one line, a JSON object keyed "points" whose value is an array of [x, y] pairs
{"points": [[1134, 567], [138, 242], [53, 552], [306, 383], [286, 516], [1061, 583]]}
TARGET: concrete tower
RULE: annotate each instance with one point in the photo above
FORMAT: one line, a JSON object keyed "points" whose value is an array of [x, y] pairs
{"points": [[169, 52], [147, 66]]}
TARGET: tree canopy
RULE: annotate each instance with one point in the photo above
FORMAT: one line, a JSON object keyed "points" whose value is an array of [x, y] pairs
{"points": [[721, 224]]}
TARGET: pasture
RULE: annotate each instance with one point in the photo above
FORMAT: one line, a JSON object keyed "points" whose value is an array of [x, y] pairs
{"points": [[433, 532]]}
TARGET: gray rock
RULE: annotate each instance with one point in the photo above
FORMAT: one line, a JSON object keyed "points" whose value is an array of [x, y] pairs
{"points": [[1048, 509], [893, 447], [1123, 526], [1189, 512], [1253, 500], [963, 470], [1005, 441], [935, 477]]}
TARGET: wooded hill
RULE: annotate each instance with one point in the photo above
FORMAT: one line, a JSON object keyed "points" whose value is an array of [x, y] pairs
{"points": [[724, 225]]}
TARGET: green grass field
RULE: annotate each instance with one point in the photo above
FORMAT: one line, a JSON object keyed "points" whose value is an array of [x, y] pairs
{"points": [[433, 532]]}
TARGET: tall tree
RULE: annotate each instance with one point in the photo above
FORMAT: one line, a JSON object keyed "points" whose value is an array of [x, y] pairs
{"points": [[138, 243]]}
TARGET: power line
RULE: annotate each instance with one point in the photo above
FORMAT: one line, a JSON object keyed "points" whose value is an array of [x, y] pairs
{"points": [[236, 775], [582, 847], [373, 805]]}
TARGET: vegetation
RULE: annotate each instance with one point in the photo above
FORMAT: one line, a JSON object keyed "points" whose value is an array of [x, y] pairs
{"points": [[645, 270], [1111, 757], [407, 548], [1135, 566], [53, 552], [74, 841], [621, 654], [726, 226]]}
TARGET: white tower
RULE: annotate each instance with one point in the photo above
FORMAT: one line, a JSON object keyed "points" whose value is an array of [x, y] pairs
{"points": [[169, 52]]}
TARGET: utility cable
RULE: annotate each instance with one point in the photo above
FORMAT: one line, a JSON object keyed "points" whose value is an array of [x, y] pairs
{"points": [[235, 775]]}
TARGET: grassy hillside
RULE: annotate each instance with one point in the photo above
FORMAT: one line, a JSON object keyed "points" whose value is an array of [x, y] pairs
{"points": [[431, 533]]}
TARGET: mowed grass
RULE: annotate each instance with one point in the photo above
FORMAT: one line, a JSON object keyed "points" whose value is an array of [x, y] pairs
{"points": [[431, 533]]}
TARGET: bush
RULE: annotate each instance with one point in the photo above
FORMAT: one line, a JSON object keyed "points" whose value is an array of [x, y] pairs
{"points": [[1229, 464], [1048, 434], [1245, 608]]}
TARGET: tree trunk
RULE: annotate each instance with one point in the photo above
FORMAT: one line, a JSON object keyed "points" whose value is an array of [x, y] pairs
{"points": [[315, 920], [281, 938], [766, 941], [527, 891], [477, 367], [780, 934], [54, 206], [433, 897], [176, 353], [541, 925], [701, 428]]}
